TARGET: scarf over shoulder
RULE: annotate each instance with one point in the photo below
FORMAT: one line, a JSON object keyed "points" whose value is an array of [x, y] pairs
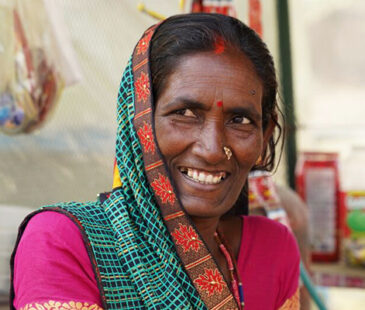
{"points": [[146, 252]]}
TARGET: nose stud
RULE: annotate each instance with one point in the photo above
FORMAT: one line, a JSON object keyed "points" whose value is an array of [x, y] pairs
{"points": [[228, 152]]}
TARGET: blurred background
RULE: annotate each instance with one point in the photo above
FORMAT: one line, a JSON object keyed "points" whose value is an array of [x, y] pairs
{"points": [[319, 51]]}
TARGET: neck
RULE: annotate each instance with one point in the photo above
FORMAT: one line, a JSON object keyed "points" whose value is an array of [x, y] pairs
{"points": [[206, 228]]}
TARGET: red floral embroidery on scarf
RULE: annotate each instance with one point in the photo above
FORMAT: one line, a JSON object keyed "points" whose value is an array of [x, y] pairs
{"points": [[145, 135], [163, 189], [142, 87], [211, 281], [143, 43], [187, 238]]}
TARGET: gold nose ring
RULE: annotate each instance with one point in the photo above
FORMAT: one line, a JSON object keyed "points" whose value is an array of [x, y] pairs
{"points": [[228, 152]]}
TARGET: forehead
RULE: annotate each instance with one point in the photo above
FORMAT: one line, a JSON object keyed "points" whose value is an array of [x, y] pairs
{"points": [[230, 75]]}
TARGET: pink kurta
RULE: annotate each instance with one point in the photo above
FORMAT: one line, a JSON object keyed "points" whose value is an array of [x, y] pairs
{"points": [[52, 264]]}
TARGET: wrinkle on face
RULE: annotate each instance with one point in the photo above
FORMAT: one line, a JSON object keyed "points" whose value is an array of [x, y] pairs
{"points": [[196, 139]]}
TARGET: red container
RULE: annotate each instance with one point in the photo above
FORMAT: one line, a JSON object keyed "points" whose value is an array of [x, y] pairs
{"points": [[317, 182]]}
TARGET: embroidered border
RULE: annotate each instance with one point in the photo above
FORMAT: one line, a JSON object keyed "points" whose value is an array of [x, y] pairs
{"points": [[189, 244], [60, 305]]}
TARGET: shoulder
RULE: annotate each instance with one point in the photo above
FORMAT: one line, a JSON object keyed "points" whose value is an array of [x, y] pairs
{"points": [[50, 233], [271, 236], [64, 218], [52, 247], [49, 228], [50, 222], [64, 222], [264, 227]]}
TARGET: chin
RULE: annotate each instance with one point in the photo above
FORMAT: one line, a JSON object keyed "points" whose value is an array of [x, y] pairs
{"points": [[205, 209]]}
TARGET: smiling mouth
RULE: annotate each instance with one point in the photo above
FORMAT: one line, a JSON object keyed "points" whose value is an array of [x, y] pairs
{"points": [[203, 177]]}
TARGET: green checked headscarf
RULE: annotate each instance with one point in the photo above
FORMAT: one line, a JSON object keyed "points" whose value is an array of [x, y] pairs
{"points": [[145, 250], [165, 254]]}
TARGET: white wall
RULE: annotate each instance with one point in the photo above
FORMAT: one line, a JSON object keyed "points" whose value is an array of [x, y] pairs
{"points": [[328, 65]]}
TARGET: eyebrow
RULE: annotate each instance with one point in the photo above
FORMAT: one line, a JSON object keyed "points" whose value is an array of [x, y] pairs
{"points": [[186, 102], [189, 103]]}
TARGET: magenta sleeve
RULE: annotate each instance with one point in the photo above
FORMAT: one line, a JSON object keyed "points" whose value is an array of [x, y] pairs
{"points": [[268, 263], [290, 272], [52, 264]]}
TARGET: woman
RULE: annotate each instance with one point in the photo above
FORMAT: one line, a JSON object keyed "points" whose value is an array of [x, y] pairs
{"points": [[196, 112]]}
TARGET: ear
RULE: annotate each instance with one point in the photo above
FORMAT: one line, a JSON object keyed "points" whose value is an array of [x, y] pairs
{"points": [[269, 131]]}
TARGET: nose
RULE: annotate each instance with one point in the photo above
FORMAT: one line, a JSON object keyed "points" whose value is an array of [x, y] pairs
{"points": [[209, 145]]}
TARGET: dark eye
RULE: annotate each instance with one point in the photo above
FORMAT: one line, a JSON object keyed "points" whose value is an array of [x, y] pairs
{"points": [[186, 112], [241, 120]]}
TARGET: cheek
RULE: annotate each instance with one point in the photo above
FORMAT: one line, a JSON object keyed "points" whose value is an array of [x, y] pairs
{"points": [[248, 151], [170, 139]]}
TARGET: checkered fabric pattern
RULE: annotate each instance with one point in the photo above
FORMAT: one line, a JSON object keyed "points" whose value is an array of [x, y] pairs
{"points": [[134, 258], [144, 247]]}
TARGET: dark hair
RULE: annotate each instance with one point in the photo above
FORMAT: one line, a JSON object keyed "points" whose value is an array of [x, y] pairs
{"points": [[182, 35]]}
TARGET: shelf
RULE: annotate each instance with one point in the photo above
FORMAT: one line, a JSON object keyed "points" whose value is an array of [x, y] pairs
{"points": [[338, 274]]}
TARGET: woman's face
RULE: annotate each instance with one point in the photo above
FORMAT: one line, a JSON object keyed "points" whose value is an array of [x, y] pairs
{"points": [[210, 101]]}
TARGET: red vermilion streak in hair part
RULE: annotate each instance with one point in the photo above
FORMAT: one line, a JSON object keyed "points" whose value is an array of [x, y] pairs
{"points": [[219, 104], [220, 46]]}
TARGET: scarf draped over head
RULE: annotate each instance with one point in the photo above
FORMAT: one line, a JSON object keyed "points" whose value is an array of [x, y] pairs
{"points": [[162, 253]]}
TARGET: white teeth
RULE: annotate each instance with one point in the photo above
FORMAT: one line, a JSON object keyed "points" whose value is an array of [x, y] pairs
{"points": [[209, 178], [203, 177]]}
